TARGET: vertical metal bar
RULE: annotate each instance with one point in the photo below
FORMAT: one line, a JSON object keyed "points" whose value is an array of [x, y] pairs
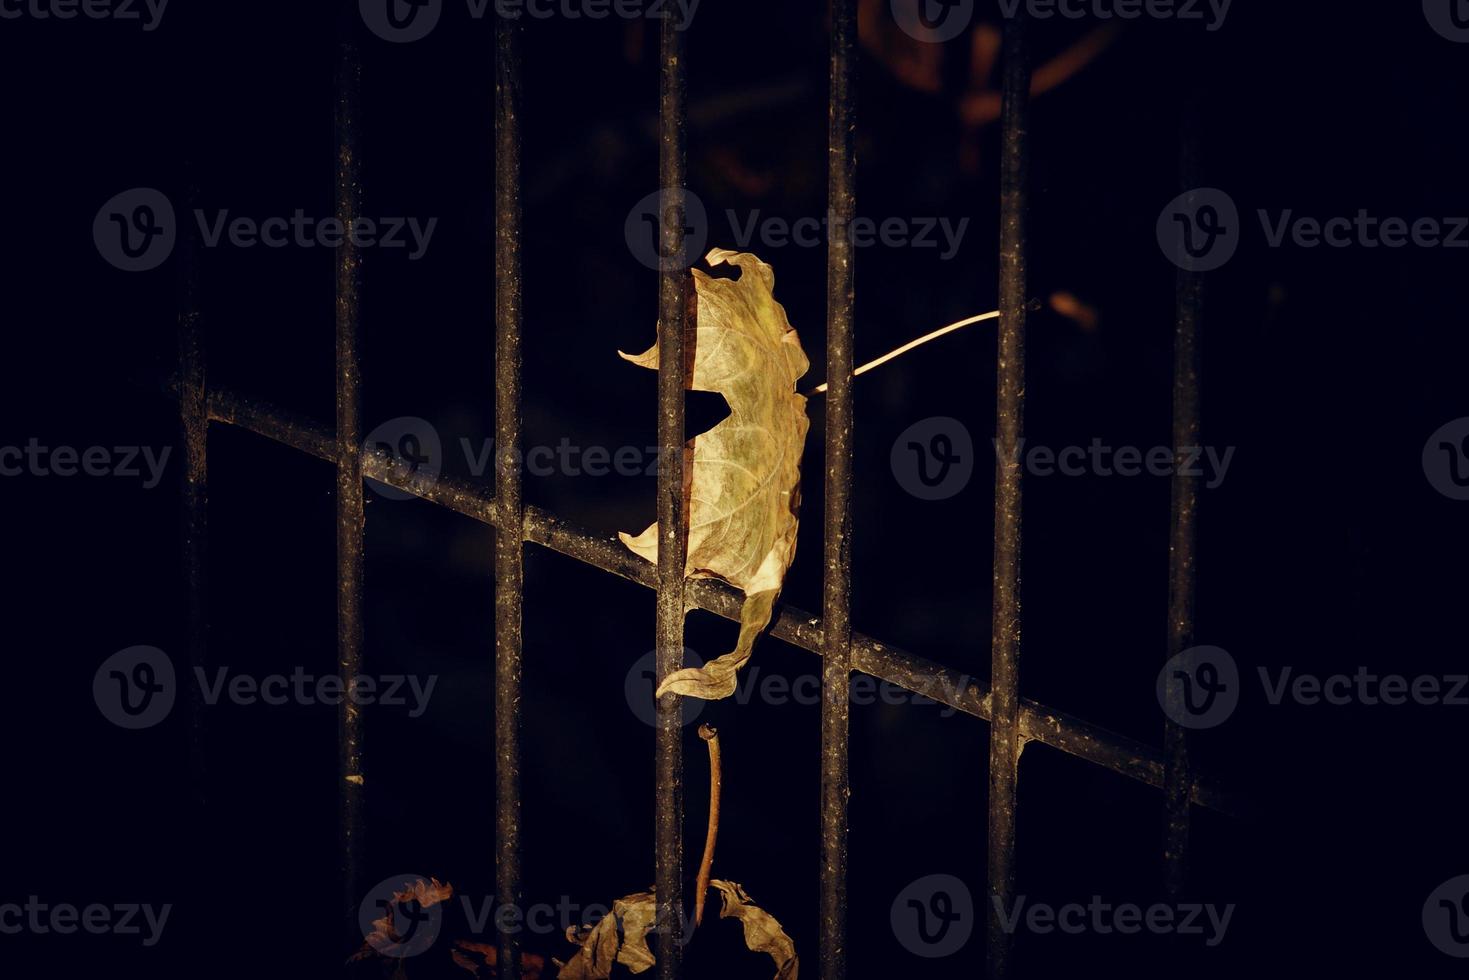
{"points": [[350, 515], [1010, 426], [194, 415], [509, 537], [1187, 362], [836, 664], [673, 295]]}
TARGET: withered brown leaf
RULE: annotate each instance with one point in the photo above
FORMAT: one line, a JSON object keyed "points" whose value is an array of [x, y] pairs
{"points": [[620, 937], [743, 489], [763, 933]]}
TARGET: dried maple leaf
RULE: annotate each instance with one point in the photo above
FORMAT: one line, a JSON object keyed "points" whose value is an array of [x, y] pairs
{"points": [[742, 476], [763, 933], [481, 959], [384, 939], [620, 937]]}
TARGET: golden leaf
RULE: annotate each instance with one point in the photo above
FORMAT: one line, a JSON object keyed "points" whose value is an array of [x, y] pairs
{"points": [[743, 476]]}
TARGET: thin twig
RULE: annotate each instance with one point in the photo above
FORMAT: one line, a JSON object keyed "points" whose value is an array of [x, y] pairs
{"points": [[821, 388], [711, 735]]}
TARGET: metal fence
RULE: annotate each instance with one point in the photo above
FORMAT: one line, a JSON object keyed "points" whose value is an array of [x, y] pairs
{"points": [[1014, 720]]}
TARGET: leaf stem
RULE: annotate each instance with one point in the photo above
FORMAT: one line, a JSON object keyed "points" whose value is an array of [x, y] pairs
{"points": [[992, 315], [711, 735]]}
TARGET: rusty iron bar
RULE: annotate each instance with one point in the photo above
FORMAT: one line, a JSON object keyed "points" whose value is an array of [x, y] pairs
{"points": [[348, 455], [509, 544], [944, 686], [836, 582], [1183, 539], [673, 297], [194, 419], [950, 688], [1006, 736]]}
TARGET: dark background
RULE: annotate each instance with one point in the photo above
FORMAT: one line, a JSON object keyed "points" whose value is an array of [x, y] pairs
{"points": [[1325, 548]]}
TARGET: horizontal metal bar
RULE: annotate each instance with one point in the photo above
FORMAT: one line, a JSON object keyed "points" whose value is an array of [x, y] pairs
{"points": [[797, 627]]}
